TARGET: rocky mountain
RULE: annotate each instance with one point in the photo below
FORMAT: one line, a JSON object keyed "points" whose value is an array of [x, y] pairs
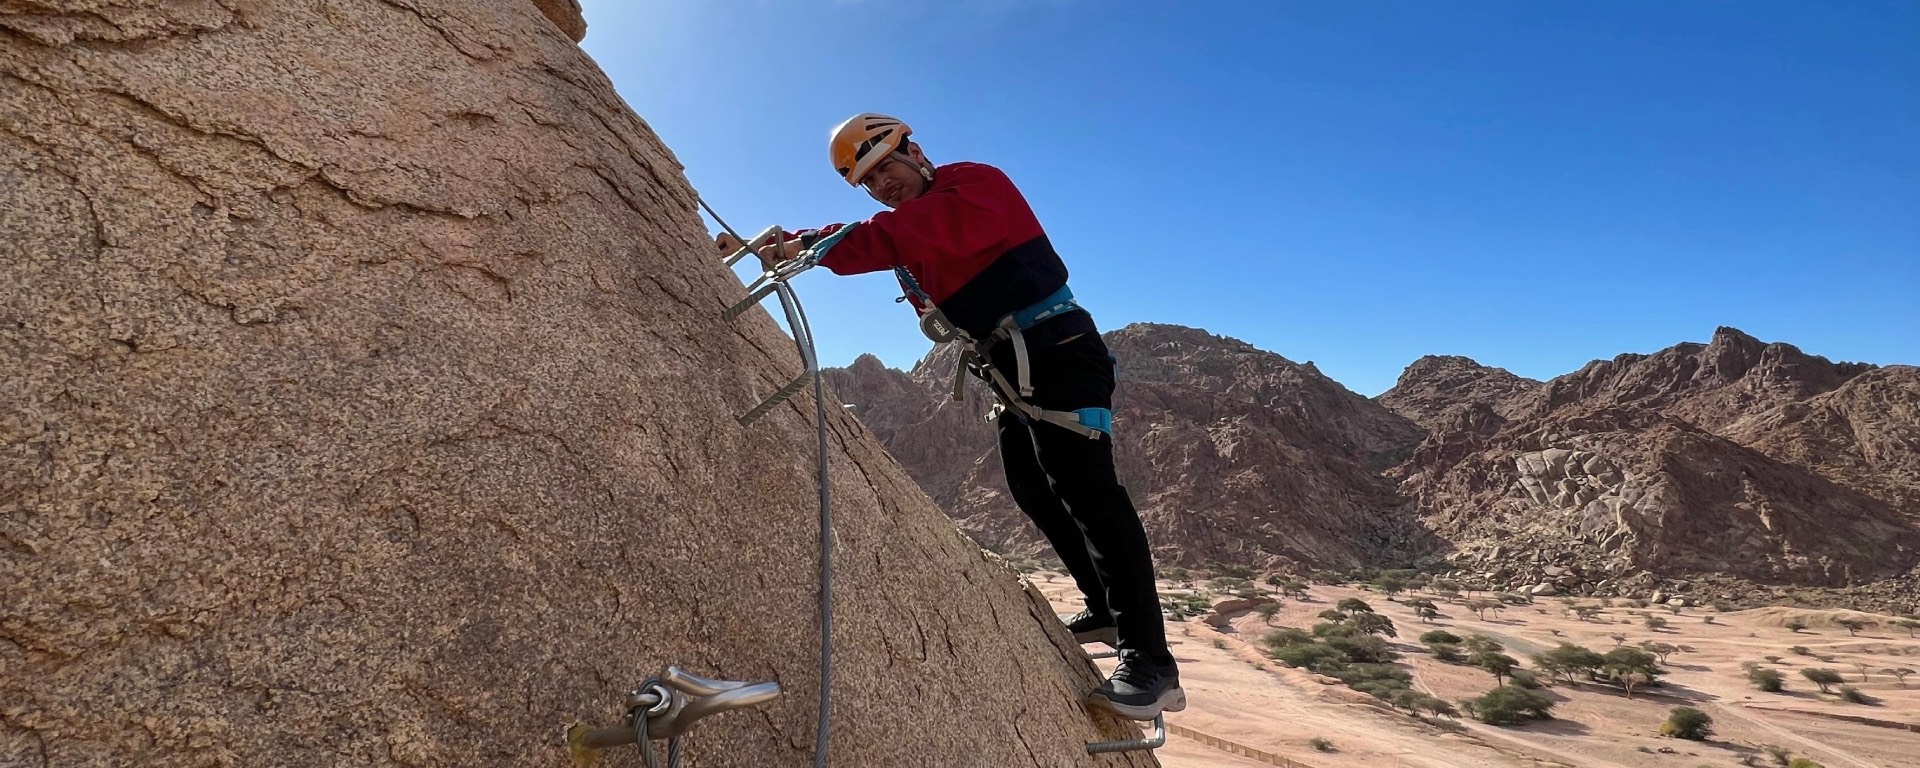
{"points": [[1733, 459], [365, 400], [1231, 453], [1436, 384]]}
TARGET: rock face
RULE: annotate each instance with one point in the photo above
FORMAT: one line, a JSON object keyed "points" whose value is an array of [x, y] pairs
{"points": [[1436, 385], [367, 402], [565, 14], [1735, 458]]}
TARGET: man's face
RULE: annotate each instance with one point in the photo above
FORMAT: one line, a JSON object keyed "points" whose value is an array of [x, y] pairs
{"points": [[896, 180]]}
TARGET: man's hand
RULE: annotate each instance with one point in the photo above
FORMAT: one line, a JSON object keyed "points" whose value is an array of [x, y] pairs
{"points": [[771, 255], [774, 254]]}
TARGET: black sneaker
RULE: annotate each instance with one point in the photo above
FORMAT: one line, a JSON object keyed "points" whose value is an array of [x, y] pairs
{"points": [[1088, 627], [1141, 689]]}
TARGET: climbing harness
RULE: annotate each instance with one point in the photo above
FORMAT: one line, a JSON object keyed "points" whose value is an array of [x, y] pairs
{"points": [[1088, 422], [933, 322]]}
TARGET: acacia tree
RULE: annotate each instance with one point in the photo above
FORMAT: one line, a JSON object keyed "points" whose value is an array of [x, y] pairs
{"points": [[1498, 664], [1631, 667], [1563, 662], [1825, 678], [1424, 609], [1391, 585], [1480, 606], [1374, 624], [1628, 678], [1662, 650]]}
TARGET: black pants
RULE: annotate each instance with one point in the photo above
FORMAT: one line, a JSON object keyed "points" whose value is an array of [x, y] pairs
{"points": [[1065, 482]]}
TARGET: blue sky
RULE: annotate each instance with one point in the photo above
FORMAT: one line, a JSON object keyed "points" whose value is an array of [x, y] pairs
{"points": [[1531, 184]]}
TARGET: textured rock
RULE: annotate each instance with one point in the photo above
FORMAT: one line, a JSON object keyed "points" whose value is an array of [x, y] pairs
{"points": [[1735, 457], [1224, 611], [1864, 434], [1708, 385], [1437, 384], [565, 14], [939, 441], [367, 403], [1543, 590]]}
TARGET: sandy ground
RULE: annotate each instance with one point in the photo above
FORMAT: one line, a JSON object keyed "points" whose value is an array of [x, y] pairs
{"points": [[1236, 694]]}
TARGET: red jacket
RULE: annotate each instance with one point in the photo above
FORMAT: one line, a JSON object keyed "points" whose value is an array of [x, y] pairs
{"points": [[970, 242]]}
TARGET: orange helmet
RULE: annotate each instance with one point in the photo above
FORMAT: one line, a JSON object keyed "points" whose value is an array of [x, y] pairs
{"points": [[863, 141]]}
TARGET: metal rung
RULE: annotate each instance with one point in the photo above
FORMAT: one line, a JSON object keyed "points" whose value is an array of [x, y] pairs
{"points": [[1156, 741], [1103, 654], [752, 298], [670, 704], [779, 397]]}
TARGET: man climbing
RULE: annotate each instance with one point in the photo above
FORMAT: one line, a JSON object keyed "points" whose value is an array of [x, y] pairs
{"points": [[971, 256]]}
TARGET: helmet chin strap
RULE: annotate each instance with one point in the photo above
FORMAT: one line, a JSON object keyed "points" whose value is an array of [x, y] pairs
{"points": [[925, 168]]}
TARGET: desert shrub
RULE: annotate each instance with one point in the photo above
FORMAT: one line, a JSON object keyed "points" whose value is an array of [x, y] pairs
{"points": [[1687, 723], [1767, 680], [1509, 705], [1313, 656], [1439, 636], [1363, 648], [1801, 762], [1286, 636], [1320, 744], [1854, 695], [1525, 678], [1438, 706], [1796, 624]]}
